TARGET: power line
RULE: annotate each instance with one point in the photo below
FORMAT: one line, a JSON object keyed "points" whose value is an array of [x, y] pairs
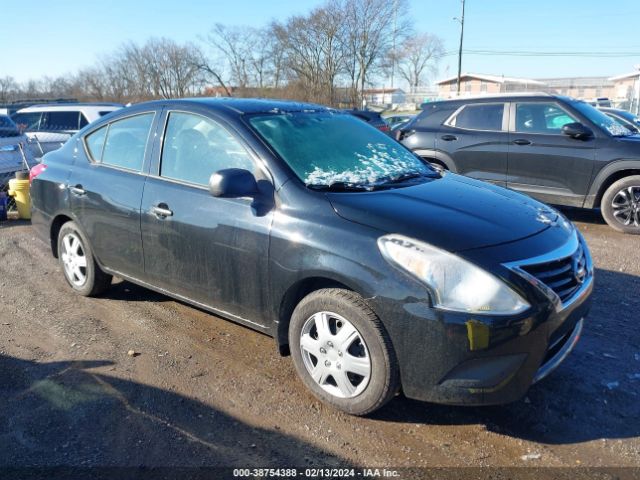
{"points": [[531, 53]]}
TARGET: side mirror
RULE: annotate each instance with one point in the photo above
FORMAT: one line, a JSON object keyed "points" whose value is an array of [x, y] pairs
{"points": [[233, 183], [577, 130]]}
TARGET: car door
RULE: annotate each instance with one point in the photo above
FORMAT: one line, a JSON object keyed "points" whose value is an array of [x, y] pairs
{"points": [[543, 162], [476, 138], [210, 250], [106, 185]]}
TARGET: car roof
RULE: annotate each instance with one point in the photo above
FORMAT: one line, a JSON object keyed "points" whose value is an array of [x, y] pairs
{"points": [[243, 105], [502, 97], [70, 107]]}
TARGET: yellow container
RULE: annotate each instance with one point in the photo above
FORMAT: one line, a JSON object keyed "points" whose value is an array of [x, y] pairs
{"points": [[19, 189]]}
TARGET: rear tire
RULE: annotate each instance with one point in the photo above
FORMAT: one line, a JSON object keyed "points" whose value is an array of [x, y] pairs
{"points": [[342, 352], [620, 205], [78, 264]]}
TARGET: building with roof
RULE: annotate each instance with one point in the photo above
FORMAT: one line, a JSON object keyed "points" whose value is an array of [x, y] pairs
{"points": [[384, 96], [626, 91], [586, 88], [478, 84]]}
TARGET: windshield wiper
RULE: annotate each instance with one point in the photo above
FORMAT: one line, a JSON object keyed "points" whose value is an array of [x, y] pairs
{"points": [[406, 176], [339, 187]]}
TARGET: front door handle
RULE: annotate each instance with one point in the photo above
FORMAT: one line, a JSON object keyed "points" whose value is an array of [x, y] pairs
{"points": [[522, 141], [448, 138], [161, 210], [77, 190]]}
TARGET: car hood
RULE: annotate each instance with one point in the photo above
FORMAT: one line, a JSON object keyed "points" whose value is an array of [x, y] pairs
{"points": [[454, 213], [630, 138]]}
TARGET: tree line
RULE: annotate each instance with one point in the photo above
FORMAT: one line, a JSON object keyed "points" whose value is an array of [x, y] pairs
{"points": [[330, 55]]}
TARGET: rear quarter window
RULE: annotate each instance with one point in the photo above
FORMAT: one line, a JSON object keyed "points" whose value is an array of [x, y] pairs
{"points": [[487, 116], [60, 121], [433, 115]]}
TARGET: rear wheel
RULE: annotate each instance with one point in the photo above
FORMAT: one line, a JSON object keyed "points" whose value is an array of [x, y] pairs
{"points": [[76, 258], [620, 205], [342, 352]]}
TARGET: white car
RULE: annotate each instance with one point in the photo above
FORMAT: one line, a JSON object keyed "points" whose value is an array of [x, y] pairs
{"points": [[49, 126]]}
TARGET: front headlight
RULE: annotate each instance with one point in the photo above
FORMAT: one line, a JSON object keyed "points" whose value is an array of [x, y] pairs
{"points": [[455, 283]]}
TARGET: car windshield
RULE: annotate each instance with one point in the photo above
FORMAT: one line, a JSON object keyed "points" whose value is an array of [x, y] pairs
{"points": [[7, 127], [603, 121], [330, 148]]}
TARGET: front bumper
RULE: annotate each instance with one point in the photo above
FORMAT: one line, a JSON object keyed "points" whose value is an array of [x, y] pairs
{"points": [[462, 359]]}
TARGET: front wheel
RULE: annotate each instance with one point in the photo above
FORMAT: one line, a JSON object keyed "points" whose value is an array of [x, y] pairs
{"points": [[620, 205], [342, 352], [76, 258]]}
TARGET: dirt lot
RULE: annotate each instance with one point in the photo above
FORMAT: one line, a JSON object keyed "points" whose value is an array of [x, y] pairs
{"points": [[204, 391]]}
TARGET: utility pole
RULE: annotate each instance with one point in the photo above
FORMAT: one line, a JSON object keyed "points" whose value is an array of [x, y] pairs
{"points": [[395, 34], [461, 20]]}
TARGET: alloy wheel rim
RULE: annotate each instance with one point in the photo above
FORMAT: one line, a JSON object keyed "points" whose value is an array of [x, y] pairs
{"points": [[626, 206], [74, 259], [335, 355]]}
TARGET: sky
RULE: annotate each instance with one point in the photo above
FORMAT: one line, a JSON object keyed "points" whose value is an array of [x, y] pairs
{"points": [[63, 36]]}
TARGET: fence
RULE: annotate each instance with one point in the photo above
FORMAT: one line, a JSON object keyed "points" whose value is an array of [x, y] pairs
{"points": [[19, 157]]}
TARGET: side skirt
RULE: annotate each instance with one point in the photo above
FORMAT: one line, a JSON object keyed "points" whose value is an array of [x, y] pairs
{"points": [[222, 313]]}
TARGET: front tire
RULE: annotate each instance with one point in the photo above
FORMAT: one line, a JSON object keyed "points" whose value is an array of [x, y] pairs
{"points": [[620, 205], [78, 264], [342, 352]]}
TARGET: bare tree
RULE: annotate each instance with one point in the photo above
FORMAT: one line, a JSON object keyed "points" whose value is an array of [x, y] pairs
{"points": [[8, 88], [418, 55], [235, 45], [371, 28], [314, 52]]}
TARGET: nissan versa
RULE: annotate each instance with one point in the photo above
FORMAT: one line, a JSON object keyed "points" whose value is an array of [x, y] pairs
{"points": [[373, 270]]}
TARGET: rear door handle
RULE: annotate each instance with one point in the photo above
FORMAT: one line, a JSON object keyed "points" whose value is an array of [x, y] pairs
{"points": [[77, 190], [161, 211], [448, 138], [522, 141]]}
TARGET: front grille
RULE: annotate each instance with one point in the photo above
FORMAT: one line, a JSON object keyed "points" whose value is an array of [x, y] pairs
{"points": [[564, 276]]}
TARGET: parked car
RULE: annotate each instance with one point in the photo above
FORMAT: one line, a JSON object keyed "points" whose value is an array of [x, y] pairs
{"points": [[600, 102], [372, 269], [48, 126], [372, 118], [12, 157], [398, 120], [556, 149], [623, 117]]}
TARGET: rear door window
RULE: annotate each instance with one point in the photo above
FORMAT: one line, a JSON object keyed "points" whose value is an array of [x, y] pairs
{"points": [[121, 143], [487, 116]]}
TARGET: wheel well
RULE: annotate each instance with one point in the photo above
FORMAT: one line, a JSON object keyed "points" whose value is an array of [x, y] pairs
{"points": [[611, 179], [56, 225], [291, 298], [436, 161]]}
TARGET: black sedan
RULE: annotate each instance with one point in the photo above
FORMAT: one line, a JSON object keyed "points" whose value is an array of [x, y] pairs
{"points": [[373, 270]]}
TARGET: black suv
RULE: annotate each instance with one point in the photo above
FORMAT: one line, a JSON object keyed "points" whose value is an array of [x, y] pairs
{"points": [[557, 149]]}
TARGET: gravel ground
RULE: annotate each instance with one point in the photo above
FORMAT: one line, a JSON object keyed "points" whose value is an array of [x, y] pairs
{"points": [[204, 391]]}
